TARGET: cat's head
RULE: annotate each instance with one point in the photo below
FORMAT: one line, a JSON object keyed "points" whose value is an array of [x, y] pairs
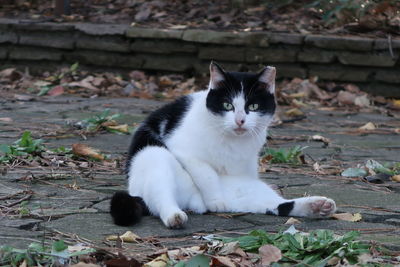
{"points": [[244, 103]]}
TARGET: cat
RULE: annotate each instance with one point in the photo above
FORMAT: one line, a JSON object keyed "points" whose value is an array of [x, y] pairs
{"points": [[200, 153]]}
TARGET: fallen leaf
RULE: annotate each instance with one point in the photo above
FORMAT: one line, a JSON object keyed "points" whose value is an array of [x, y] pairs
{"points": [[128, 237], [222, 261], [11, 74], [160, 261], [6, 119], [346, 98], [229, 248], [396, 178], [362, 101], [269, 254], [122, 262], [24, 97], [23, 264], [347, 217], [298, 95], [292, 220], [294, 112], [396, 103], [77, 248], [85, 83], [368, 127], [86, 151], [123, 128], [82, 264], [56, 90], [320, 138], [333, 261]]}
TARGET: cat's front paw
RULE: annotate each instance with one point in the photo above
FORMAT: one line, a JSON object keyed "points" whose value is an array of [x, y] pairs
{"points": [[322, 206], [216, 205], [175, 220]]}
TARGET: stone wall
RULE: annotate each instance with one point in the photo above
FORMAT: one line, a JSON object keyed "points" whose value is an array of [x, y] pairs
{"points": [[372, 63]]}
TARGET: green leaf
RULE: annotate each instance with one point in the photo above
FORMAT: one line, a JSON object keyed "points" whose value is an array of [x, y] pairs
{"points": [[180, 264], [36, 247], [354, 172], [74, 67], [44, 90], [5, 149], [59, 246], [198, 261]]}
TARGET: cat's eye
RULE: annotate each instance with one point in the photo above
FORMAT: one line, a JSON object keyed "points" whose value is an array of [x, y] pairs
{"points": [[253, 107], [228, 106]]}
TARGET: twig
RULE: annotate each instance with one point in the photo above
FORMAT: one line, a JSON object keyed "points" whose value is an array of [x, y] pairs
{"points": [[390, 46], [19, 201], [11, 196], [370, 208]]}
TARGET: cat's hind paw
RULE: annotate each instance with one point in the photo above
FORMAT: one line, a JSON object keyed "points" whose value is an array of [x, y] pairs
{"points": [[176, 220], [322, 206]]}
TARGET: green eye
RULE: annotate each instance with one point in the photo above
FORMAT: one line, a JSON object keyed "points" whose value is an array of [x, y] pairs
{"points": [[253, 107], [228, 106]]}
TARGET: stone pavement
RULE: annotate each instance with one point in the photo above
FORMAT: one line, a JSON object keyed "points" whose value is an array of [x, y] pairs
{"points": [[75, 200]]}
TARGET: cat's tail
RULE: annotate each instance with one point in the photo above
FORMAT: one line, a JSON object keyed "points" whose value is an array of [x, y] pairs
{"points": [[127, 210]]}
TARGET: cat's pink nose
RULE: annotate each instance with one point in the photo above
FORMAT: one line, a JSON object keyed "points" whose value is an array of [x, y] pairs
{"points": [[239, 122]]}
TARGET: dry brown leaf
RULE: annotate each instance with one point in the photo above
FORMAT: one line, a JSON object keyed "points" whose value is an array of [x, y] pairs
{"points": [[320, 138], [292, 220], [222, 260], [123, 128], [294, 112], [24, 97], [346, 98], [298, 95], [396, 178], [396, 103], [82, 264], [347, 217], [269, 254], [56, 90], [6, 119], [85, 83], [368, 127], [86, 151], [122, 262], [11, 74], [362, 101], [23, 264], [229, 248], [128, 237], [160, 261]]}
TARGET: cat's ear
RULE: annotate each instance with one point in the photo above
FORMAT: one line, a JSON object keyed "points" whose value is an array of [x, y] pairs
{"points": [[217, 75], [267, 76]]}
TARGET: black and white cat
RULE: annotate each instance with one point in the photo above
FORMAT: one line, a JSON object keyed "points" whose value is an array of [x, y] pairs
{"points": [[200, 153]]}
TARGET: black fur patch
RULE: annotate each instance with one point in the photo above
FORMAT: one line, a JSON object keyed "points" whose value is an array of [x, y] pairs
{"points": [[127, 210], [255, 92], [148, 134], [284, 209]]}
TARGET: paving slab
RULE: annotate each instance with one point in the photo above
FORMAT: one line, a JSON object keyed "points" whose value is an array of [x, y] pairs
{"points": [[75, 199]]}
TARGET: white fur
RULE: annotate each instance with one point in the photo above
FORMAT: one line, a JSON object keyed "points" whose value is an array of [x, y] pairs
{"points": [[209, 166]]}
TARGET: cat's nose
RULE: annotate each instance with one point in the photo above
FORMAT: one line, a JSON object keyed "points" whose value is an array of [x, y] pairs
{"points": [[239, 121]]}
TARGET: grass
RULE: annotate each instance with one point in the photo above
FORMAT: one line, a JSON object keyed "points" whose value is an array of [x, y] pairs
{"points": [[314, 249], [290, 155], [25, 146], [38, 254], [105, 121]]}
